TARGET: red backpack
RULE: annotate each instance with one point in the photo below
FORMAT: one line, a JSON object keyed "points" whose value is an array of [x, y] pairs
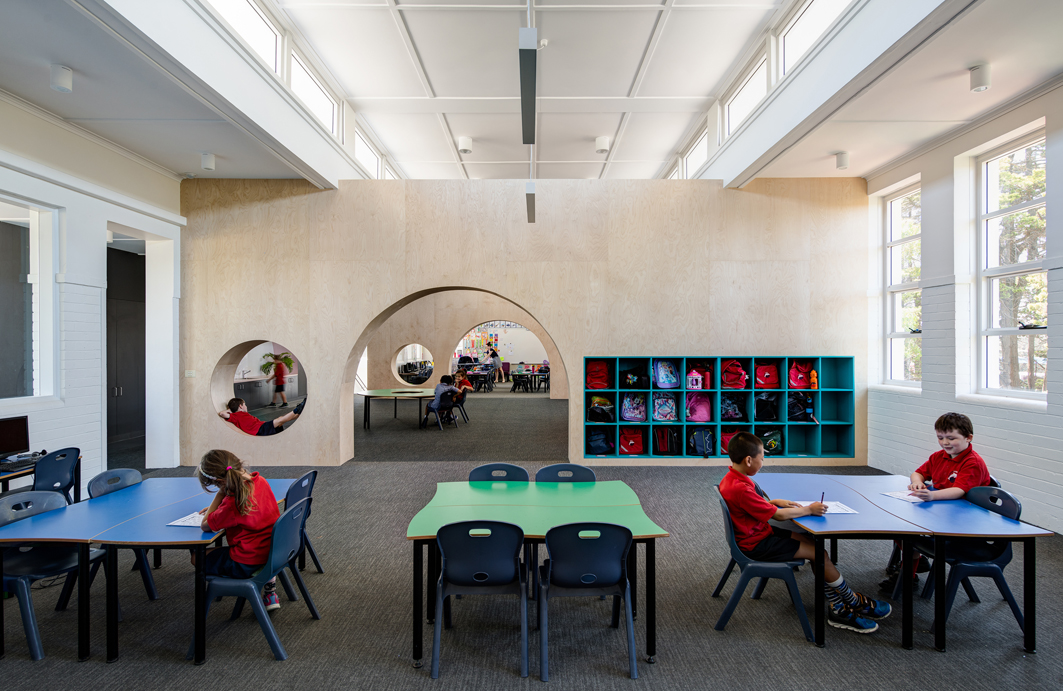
{"points": [[732, 375], [725, 439], [597, 375], [767, 377], [631, 441], [799, 372]]}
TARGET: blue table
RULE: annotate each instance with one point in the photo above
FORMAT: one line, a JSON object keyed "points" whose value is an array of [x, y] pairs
{"points": [[134, 516]]}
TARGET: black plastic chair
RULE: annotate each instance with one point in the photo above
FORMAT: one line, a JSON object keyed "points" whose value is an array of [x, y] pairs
{"points": [[446, 404], [498, 472], [480, 558], [750, 569], [565, 472], [297, 491], [969, 558], [283, 550], [586, 559], [53, 473], [111, 481], [459, 405], [31, 562]]}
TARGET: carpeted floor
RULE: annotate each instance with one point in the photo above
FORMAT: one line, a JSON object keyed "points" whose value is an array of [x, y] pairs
{"points": [[361, 511]]}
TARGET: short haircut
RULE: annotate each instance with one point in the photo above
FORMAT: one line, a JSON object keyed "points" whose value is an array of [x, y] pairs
{"points": [[446, 379], [955, 421], [743, 444], [234, 404]]}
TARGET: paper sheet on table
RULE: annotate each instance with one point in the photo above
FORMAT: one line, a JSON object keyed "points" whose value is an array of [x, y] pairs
{"points": [[192, 520], [904, 496], [832, 506]]}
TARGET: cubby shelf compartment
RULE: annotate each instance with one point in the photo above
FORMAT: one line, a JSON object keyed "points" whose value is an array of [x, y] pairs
{"points": [[831, 435]]}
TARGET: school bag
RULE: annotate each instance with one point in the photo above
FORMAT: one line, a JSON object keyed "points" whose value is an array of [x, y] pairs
{"points": [[701, 443], [664, 407], [699, 407], [665, 441], [705, 370], [766, 377], [766, 407], [732, 375], [633, 407], [799, 375], [732, 407], [725, 439], [634, 378], [631, 442], [772, 441], [665, 375], [597, 375], [600, 413], [598, 444], [799, 408]]}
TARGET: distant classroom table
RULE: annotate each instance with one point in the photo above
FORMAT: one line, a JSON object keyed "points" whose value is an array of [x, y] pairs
{"points": [[396, 394], [6, 477], [535, 507]]}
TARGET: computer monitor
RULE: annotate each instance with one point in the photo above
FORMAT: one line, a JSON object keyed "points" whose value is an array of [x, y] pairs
{"points": [[14, 436]]}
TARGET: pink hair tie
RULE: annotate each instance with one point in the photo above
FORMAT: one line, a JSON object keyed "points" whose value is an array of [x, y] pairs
{"points": [[228, 467]]}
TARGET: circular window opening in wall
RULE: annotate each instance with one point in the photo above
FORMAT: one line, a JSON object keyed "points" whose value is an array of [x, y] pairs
{"points": [[259, 388], [414, 364]]}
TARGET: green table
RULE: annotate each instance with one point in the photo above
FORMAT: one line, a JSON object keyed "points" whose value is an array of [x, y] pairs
{"points": [[535, 507], [396, 394]]}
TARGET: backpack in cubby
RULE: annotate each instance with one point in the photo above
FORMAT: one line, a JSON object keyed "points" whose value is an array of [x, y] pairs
{"points": [[665, 375], [631, 441], [597, 375], [725, 439], [598, 444], [731, 408], [634, 378], [699, 407], [732, 375], [701, 442], [767, 377], [664, 407], [766, 407], [799, 375], [665, 441], [772, 440], [799, 408], [633, 407]]}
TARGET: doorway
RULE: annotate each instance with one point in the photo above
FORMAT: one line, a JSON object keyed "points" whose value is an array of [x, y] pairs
{"points": [[125, 354]]}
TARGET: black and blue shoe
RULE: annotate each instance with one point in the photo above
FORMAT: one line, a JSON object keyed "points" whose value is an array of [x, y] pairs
{"points": [[844, 617]]}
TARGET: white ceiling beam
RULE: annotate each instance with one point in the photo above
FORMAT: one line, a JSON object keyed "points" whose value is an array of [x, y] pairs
{"points": [[647, 54], [411, 49], [546, 104], [471, 7], [450, 143], [612, 146]]}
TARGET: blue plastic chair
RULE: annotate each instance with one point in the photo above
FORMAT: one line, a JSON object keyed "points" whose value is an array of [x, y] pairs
{"points": [[750, 569], [565, 472], [446, 404], [284, 548], [978, 558], [586, 559], [297, 491], [480, 558], [53, 473], [33, 561], [498, 472]]}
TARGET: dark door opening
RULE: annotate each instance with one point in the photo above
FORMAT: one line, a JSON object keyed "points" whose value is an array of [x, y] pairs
{"points": [[125, 360]]}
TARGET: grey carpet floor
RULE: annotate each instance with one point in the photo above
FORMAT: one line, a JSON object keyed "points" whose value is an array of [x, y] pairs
{"points": [[361, 511]]}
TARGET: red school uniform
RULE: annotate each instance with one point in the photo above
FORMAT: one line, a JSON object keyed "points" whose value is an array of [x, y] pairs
{"points": [[965, 471], [749, 511], [248, 536], [280, 370], [245, 421]]}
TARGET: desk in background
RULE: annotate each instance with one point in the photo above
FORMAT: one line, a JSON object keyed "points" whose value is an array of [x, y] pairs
{"points": [[396, 394]]}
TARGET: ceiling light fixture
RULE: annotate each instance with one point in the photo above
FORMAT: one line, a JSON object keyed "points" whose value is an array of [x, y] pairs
{"points": [[841, 160], [980, 80], [601, 145], [110, 236], [528, 41], [464, 145], [529, 195], [62, 79], [206, 161]]}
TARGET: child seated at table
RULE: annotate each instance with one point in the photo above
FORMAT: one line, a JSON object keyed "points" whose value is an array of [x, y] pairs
{"points": [[236, 413], [446, 383], [750, 513], [462, 383], [245, 508]]}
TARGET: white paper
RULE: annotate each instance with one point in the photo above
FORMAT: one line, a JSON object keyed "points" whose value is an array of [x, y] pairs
{"points": [[192, 520], [904, 496], [832, 506]]}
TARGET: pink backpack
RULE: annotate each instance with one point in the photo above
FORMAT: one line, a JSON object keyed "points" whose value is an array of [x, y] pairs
{"points": [[699, 407]]}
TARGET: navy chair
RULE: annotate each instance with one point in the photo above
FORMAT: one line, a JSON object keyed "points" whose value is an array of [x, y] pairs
{"points": [[446, 405], [284, 548], [750, 569], [459, 405], [54, 472], [973, 557], [480, 558], [297, 491], [586, 559], [498, 472], [32, 562], [565, 472]]}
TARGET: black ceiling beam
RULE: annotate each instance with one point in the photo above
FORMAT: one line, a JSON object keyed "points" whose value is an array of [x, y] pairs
{"points": [[529, 44]]}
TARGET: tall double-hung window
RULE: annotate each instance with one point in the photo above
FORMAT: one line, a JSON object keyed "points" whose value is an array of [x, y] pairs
{"points": [[904, 298], [1013, 295]]}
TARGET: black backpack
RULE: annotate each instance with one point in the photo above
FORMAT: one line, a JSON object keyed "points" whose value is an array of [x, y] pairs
{"points": [[799, 407], [635, 378], [598, 445], [732, 407], [598, 413], [701, 443], [766, 407], [666, 441]]}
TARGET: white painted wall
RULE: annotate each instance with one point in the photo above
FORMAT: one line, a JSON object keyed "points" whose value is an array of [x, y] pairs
{"points": [[1019, 439], [521, 345]]}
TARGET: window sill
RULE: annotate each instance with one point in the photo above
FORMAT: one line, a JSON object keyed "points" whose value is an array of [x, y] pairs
{"points": [[29, 404], [1032, 405], [896, 388]]}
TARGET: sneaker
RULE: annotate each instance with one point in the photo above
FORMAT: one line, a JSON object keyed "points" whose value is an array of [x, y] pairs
{"points": [[283, 405], [922, 565], [843, 617], [271, 601], [272, 405], [871, 609], [299, 408], [890, 583]]}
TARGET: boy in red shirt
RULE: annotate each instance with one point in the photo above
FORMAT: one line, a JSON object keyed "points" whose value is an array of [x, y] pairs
{"points": [[236, 413], [280, 371], [750, 513]]}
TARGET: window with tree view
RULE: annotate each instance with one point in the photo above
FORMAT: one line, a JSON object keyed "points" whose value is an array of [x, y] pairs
{"points": [[1014, 283], [904, 299]]}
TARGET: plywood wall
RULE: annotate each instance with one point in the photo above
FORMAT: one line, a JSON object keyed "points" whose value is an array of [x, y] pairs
{"points": [[610, 268]]}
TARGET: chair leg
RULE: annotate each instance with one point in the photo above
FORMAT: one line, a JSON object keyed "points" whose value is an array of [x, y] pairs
{"points": [[313, 555], [743, 581], [438, 631], [795, 597], [544, 660], [302, 589], [266, 624], [146, 574], [1002, 586], [439, 421], [630, 633], [29, 619], [968, 588], [523, 633], [616, 612], [447, 622], [68, 590], [238, 608], [724, 577], [287, 585], [759, 590]]}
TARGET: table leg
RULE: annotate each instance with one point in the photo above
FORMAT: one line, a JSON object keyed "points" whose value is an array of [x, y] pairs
{"points": [[939, 592], [77, 481], [430, 595], [396, 415], [201, 605], [821, 596], [907, 623], [4, 485], [158, 559], [83, 601], [651, 601], [418, 586], [633, 577], [1, 606], [1029, 596], [111, 571], [834, 550]]}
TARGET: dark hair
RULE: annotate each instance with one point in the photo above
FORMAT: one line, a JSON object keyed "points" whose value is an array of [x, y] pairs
{"points": [[446, 379], [743, 444], [234, 404], [224, 468], [955, 421]]}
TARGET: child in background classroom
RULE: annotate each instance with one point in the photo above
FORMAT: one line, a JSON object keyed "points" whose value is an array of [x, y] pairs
{"points": [[245, 508], [446, 383], [750, 513]]}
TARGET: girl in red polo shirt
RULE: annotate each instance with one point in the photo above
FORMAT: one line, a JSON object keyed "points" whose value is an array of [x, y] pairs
{"points": [[245, 508]]}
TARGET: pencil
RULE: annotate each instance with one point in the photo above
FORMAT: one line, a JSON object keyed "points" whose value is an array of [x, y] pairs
{"points": [[821, 495]]}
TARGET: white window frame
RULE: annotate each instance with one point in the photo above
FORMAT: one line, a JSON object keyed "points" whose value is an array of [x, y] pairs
{"points": [[686, 172], [279, 46], [360, 134], [747, 75], [890, 290], [985, 276], [297, 54], [788, 23]]}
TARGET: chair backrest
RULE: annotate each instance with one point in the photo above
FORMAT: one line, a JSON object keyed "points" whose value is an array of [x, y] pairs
{"points": [[565, 472], [446, 400], [498, 472], [760, 491], [480, 553], [588, 555], [287, 538], [729, 530], [996, 500], [55, 472], [113, 480], [993, 482], [15, 507], [300, 489]]}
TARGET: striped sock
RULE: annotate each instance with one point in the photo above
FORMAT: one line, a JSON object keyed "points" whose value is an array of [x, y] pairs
{"points": [[834, 598], [845, 593]]}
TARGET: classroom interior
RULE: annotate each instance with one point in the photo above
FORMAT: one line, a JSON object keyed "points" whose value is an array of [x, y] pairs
{"points": [[184, 224]]}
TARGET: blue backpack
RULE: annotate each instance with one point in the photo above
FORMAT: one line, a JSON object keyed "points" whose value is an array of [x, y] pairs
{"points": [[665, 374]]}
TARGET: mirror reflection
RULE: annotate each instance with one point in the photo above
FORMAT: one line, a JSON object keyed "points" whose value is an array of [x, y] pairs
{"points": [[269, 391], [414, 364]]}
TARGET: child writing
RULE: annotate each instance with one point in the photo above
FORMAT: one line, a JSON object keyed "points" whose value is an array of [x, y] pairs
{"points": [[245, 508], [446, 383], [750, 513], [236, 413]]}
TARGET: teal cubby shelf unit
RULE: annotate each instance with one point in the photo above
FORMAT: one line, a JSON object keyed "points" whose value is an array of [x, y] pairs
{"points": [[831, 434]]}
